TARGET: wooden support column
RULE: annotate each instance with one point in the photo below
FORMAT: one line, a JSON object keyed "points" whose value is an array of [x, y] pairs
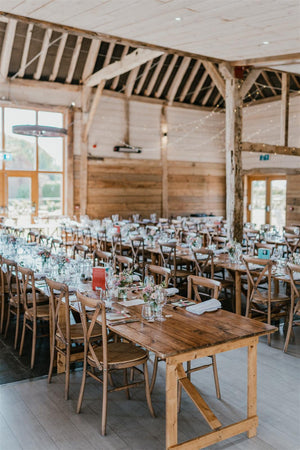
{"points": [[234, 181], [70, 164], [285, 98], [164, 160], [83, 153]]}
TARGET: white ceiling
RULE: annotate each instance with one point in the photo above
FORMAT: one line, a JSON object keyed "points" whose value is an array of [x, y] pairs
{"points": [[225, 29]]}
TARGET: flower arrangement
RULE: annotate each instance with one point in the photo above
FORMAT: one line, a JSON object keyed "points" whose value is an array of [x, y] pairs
{"points": [[44, 254], [61, 261], [124, 279], [231, 246], [149, 291]]}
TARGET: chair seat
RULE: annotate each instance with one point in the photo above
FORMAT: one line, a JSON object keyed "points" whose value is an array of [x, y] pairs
{"points": [[120, 354], [275, 298], [76, 332], [42, 311]]}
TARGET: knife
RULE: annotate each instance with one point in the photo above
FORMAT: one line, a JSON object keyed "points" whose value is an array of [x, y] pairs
{"points": [[121, 322]]}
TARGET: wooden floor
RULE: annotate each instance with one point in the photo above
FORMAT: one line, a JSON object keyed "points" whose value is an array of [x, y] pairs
{"points": [[33, 414]]}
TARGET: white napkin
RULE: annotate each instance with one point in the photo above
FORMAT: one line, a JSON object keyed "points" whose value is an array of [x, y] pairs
{"points": [[210, 305], [136, 277], [171, 291], [136, 301]]}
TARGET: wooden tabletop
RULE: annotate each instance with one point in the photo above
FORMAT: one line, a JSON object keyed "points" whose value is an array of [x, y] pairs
{"points": [[184, 331]]}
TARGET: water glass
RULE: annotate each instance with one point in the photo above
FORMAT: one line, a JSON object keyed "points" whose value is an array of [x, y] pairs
{"points": [[147, 311]]}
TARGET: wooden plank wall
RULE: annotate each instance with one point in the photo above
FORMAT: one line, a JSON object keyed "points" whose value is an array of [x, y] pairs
{"points": [[293, 200], [130, 187]]}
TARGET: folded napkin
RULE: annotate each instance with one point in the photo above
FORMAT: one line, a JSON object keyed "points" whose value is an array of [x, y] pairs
{"points": [[136, 301], [210, 305], [171, 291], [220, 251], [40, 275], [136, 277]]}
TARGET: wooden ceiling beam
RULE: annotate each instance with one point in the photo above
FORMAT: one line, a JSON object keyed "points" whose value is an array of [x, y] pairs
{"points": [[109, 53], [21, 71], [190, 80], [155, 75], [199, 87], [129, 62], [271, 149], [144, 76], [115, 82], [207, 95], [74, 59], [91, 59], [296, 81], [249, 81], [217, 99], [267, 80], [257, 87], [166, 77], [106, 37], [285, 100], [93, 109], [58, 57], [43, 54], [264, 60], [178, 79], [215, 76], [7, 48], [130, 81]]}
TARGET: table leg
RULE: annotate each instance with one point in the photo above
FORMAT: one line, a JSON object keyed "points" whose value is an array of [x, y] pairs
{"points": [[238, 293], [252, 386], [171, 404]]}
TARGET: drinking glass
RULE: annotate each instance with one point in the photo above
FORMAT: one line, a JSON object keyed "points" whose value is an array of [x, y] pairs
{"points": [[147, 311]]}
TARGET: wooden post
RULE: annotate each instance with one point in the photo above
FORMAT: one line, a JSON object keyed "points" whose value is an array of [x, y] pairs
{"points": [[83, 153], [164, 160], [234, 180], [70, 164], [285, 84]]}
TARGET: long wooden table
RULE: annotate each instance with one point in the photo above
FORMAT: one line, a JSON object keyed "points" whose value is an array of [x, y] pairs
{"points": [[185, 337]]}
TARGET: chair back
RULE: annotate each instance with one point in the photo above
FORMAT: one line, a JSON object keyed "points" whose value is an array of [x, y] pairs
{"points": [[204, 261], [194, 282], [116, 244], [100, 257], [168, 255], [258, 245], [56, 244], [11, 269], [101, 240], [88, 320], [26, 281], [137, 244], [81, 250], [32, 236], [255, 275], [294, 269], [42, 239], [123, 262], [58, 303], [159, 273], [220, 241]]}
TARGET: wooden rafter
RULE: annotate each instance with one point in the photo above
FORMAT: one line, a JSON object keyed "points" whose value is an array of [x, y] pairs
{"points": [[166, 77], [258, 88], [7, 48], [190, 80], [249, 81], [134, 59], [21, 71], [217, 98], [58, 57], [93, 109], [296, 81], [91, 59], [130, 81], [199, 87], [43, 54], [264, 60], [144, 76], [155, 75], [267, 80], [109, 53], [207, 95], [272, 149], [74, 59], [178, 79], [115, 81], [215, 76], [285, 90]]}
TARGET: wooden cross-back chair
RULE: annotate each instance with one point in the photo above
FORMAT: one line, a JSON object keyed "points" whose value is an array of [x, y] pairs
{"points": [[204, 262], [100, 257], [220, 241], [33, 236], [55, 244], [35, 312], [266, 304], [123, 262], [160, 274], [137, 245], [101, 241], [292, 242], [13, 290], [80, 250], [294, 271], [43, 239], [3, 292], [116, 244], [170, 261], [110, 356], [66, 339], [258, 245]]}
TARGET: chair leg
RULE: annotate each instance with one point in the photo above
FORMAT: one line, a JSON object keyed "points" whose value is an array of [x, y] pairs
{"points": [[104, 403], [23, 336], [52, 355], [8, 320], [269, 322], [126, 382], [2, 312], [33, 343], [80, 398], [289, 330], [188, 368], [154, 373], [147, 390], [179, 387], [67, 380], [17, 327], [216, 377]]}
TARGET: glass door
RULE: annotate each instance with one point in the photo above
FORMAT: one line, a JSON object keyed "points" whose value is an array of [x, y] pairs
{"points": [[267, 200], [21, 192]]}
